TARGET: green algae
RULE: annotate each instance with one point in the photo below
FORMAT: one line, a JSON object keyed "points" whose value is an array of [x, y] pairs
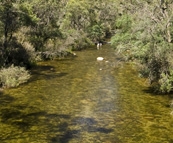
{"points": [[81, 100]]}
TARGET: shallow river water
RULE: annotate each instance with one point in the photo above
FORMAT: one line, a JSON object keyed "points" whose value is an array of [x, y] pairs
{"points": [[82, 100]]}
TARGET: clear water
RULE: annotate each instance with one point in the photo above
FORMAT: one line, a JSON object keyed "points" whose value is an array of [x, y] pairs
{"points": [[82, 100]]}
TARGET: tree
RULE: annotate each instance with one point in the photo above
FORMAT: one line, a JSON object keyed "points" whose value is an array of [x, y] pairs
{"points": [[149, 40], [95, 19], [47, 25], [9, 24]]}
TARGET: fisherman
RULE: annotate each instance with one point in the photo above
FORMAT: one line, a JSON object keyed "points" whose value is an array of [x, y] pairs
{"points": [[99, 45]]}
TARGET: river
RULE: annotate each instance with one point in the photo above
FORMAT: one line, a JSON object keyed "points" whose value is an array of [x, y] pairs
{"points": [[82, 100]]}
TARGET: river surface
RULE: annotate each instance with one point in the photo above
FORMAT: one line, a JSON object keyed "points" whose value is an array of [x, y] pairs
{"points": [[82, 100]]}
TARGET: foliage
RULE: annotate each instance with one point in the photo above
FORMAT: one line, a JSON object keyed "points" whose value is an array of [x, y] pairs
{"points": [[166, 82], [95, 20], [36, 26], [12, 20], [13, 76], [97, 32], [123, 22], [47, 26], [28, 54], [148, 39]]}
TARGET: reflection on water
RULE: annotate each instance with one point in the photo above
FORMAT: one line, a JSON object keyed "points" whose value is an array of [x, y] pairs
{"points": [[82, 100]]}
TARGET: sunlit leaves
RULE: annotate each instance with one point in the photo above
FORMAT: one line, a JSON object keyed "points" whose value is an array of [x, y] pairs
{"points": [[29, 17], [148, 37], [97, 32]]}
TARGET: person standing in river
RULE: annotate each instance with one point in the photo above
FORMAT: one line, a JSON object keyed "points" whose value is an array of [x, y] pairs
{"points": [[99, 45]]}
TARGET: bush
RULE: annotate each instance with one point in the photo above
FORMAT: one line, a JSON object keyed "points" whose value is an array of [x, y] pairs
{"points": [[166, 82], [13, 76]]}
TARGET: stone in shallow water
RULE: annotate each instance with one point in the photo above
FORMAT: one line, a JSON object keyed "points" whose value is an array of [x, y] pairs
{"points": [[100, 58]]}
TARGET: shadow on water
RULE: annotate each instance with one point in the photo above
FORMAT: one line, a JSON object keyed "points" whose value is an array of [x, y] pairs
{"points": [[151, 91], [47, 76], [31, 123], [5, 99], [27, 120], [45, 72], [89, 125]]}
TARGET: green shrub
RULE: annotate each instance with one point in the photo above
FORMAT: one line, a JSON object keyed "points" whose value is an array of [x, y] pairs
{"points": [[166, 82], [13, 76]]}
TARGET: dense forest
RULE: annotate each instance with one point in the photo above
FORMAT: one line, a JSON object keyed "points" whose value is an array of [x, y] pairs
{"points": [[140, 31]]}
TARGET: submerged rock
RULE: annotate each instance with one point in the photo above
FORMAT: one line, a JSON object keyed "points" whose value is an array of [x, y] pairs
{"points": [[100, 58]]}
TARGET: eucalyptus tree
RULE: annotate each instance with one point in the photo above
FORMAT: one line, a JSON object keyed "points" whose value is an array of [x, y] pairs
{"points": [[102, 18], [74, 24], [46, 26], [148, 38], [42, 20], [20, 23], [10, 22], [88, 21]]}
